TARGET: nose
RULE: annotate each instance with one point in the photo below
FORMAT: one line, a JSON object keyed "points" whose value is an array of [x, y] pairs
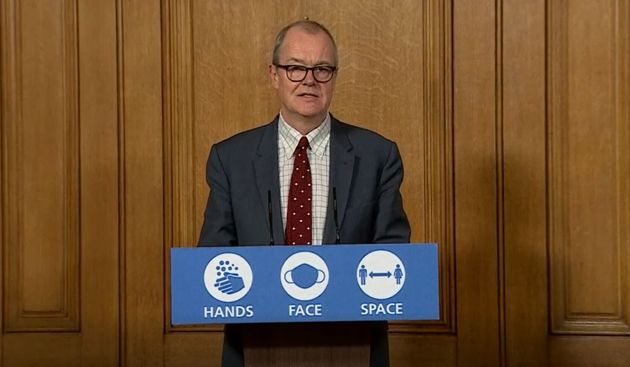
{"points": [[309, 79]]}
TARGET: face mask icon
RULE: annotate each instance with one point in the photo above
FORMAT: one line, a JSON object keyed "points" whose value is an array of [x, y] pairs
{"points": [[304, 276]]}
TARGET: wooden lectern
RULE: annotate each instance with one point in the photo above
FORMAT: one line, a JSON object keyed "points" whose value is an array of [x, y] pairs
{"points": [[307, 345]]}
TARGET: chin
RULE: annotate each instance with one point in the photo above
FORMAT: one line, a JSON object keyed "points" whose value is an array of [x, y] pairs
{"points": [[309, 112], [315, 118]]}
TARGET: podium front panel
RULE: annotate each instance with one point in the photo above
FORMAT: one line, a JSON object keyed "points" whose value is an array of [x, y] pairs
{"points": [[276, 284]]}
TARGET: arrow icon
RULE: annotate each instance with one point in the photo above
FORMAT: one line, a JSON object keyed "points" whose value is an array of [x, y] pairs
{"points": [[373, 274]]}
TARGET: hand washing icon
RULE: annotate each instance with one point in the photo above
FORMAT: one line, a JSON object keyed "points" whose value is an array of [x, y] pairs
{"points": [[304, 276], [228, 277]]}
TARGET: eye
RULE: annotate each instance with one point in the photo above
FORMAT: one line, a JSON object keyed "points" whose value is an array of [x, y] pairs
{"points": [[296, 68]]}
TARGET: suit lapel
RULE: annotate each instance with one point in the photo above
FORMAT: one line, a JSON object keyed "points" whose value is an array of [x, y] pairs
{"points": [[266, 172], [342, 161]]}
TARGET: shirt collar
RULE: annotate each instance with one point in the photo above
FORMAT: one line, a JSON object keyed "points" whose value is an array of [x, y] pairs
{"points": [[317, 139]]}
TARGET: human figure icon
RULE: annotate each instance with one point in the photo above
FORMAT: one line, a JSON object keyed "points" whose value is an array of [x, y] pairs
{"points": [[363, 274], [398, 273]]}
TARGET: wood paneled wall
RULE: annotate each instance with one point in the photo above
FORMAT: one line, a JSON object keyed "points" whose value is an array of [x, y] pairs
{"points": [[42, 201], [588, 166], [513, 119], [60, 200]]}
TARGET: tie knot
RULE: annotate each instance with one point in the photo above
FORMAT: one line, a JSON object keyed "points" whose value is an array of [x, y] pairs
{"points": [[303, 144]]}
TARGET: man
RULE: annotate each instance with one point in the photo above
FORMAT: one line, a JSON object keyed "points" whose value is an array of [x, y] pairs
{"points": [[348, 190]]}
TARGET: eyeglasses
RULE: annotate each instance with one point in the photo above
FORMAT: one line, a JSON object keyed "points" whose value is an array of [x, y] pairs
{"points": [[297, 73]]}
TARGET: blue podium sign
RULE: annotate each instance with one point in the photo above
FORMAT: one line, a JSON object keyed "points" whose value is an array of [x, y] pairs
{"points": [[262, 284]]}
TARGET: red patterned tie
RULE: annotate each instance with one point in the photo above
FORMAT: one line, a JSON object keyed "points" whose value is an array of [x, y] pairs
{"points": [[298, 228]]}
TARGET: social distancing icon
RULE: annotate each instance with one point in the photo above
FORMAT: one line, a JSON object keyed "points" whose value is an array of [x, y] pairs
{"points": [[381, 274]]}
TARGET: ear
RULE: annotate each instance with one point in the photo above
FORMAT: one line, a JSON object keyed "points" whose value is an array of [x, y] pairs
{"points": [[273, 75]]}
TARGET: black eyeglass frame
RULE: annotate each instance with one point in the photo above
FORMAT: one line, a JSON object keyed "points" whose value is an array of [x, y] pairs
{"points": [[312, 69]]}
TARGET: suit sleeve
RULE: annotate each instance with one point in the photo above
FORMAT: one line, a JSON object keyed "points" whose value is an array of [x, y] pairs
{"points": [[391, 222], [218, 227]]}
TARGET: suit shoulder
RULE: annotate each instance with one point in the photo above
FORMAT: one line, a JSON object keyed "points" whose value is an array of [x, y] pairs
{"points": [[244, 145]]}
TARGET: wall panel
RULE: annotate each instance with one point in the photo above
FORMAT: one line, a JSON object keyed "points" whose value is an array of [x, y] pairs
{"points": [[40, 146], [141, 140], [476, 139], [523, 162], [100, 186], [59, 184], [588, 171]]}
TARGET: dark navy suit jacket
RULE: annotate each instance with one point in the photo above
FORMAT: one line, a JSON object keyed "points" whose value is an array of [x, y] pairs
{"points": [[365, 170]]}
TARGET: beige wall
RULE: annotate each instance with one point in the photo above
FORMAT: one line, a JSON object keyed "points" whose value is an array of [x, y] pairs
{"points": [[512, 118]]}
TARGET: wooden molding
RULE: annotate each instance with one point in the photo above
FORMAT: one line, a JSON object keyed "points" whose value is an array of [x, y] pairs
{"points": [[179, 140], [438, 159]]}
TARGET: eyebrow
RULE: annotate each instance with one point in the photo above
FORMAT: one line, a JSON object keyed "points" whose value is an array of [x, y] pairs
{"points": [[300, 61]]}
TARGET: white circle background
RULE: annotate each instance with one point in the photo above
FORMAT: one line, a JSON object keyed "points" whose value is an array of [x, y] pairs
{"points": [[381, 261], [297, 292], [210, 277]]}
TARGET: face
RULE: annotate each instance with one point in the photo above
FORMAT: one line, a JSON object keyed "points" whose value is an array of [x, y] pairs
{"points": [[305, 103]]}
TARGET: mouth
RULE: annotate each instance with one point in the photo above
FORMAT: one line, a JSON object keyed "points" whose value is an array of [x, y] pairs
{"points": [[308, 95]]}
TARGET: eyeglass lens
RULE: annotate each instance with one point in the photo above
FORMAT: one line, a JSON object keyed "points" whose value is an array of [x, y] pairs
{"points": [[321, 74]]}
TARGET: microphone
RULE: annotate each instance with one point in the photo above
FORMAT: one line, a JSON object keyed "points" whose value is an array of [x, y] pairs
{"points": [[271, 240], [337, 239]]}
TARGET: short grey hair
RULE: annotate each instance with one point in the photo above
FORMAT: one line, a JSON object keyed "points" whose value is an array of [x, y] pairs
{"points": [[311, 27]]}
